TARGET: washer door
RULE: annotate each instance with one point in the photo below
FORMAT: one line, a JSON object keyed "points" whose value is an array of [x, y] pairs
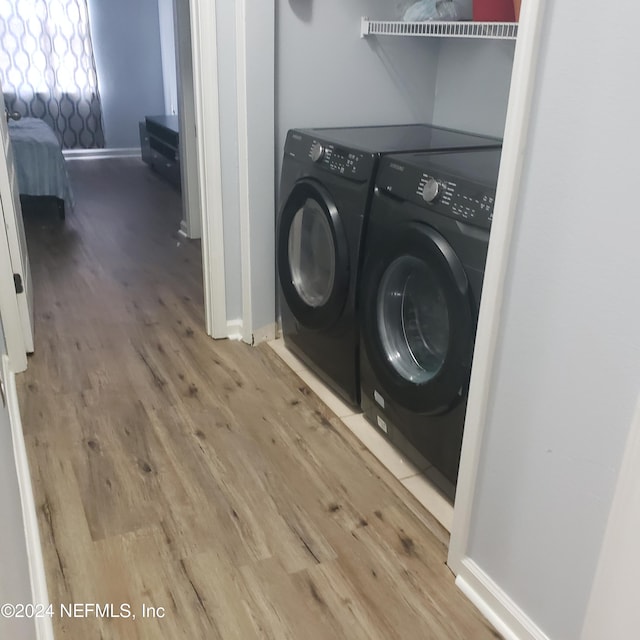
{"points": [[417, 322], [313, 258]]}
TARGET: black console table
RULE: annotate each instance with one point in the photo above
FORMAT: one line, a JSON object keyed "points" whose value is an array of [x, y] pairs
{"points": [[159, 142]]}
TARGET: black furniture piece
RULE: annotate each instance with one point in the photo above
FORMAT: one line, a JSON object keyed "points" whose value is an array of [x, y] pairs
{"points": [[325, 192], [159, 144], [426, 248]]}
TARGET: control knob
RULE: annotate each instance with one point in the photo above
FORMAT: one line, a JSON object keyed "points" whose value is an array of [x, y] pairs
{"points": [[317, 152], [431, 189]]}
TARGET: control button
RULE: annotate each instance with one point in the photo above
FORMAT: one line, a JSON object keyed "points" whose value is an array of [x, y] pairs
{"points": [[430, 189], [317, 152]]}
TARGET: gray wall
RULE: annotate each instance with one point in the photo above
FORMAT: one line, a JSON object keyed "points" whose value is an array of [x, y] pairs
{"points": [[472, 87], [15, 583], [126, 41], [326, 75], [568, 358]]}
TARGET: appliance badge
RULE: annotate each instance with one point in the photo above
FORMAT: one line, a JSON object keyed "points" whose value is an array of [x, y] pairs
{"points": [[396, 167], [378, 398], [382, 424]]}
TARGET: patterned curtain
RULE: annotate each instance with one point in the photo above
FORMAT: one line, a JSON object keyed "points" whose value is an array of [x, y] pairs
{"points": [[48, 70]]}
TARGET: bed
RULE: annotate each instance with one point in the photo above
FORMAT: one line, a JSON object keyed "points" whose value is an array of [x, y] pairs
{"points": [[40, 166]]}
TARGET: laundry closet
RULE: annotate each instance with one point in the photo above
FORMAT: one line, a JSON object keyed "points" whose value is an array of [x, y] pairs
{"points": [[381, 299], [358, 66]]}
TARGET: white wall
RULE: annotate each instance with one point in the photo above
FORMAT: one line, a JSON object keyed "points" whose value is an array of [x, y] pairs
{"points": [[472, 86], [568, 360], [326, 75]]}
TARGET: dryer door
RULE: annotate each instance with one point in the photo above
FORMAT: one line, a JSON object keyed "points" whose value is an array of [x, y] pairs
{"points": [[313, 257], [417, 320]]}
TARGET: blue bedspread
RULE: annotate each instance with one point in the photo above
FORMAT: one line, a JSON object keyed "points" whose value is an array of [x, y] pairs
{"points": [[40, 165]]}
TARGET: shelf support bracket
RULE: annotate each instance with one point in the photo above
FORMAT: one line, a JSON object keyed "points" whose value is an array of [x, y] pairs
{"points": [[364, 27]]}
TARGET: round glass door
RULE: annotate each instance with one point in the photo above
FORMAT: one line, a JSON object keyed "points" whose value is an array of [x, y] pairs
{"points": [[312, 256], [413, 320], [416, 318]]}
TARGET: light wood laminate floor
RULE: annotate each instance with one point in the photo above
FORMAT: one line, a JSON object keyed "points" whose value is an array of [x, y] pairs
{"points": [[202, 477]]}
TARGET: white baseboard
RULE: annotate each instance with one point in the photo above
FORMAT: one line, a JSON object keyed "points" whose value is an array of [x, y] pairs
{"points": [[101, 154], [234, 329], [495, 605], [265, 334], [40, 593]]}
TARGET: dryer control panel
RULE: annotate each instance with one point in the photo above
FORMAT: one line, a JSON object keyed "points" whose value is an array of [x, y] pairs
{"points": [[348, 163], [344, 162], [457, 196]]}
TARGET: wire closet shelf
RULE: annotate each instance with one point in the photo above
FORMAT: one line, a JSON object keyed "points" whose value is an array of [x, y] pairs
{"points": [[435, 29]]}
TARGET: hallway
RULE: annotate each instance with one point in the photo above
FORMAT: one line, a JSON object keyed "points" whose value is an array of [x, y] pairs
{"points": [[198, 476]]}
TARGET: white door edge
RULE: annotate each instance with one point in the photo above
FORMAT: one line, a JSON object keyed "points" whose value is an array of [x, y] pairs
{"points": [[191, 224], [13, 332], [515, 138], [16, 238], [40, 593], [243, 169], [205, 85]]}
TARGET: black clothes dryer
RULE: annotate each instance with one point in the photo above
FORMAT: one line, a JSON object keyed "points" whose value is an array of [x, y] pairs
{"points": [[325, 192], [425, 252]]}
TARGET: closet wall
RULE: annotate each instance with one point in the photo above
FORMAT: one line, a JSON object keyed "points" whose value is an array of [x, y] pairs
{"points": [[567, 372], [326, 75], [472, 87], [126, 42]]}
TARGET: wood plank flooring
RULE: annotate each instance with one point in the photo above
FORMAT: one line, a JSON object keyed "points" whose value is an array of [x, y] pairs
{"points": [[199, 476]]}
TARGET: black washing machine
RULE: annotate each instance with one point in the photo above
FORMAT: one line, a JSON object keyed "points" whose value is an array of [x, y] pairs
{"points": [[325, 192], [425, 252]]}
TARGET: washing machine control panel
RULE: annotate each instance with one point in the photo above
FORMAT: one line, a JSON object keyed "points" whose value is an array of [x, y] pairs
{"points": [[343, 162], [448, 195]]}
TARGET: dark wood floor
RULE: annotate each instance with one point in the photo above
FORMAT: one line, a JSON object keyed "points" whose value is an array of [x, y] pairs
{"points": [[202, 477]]}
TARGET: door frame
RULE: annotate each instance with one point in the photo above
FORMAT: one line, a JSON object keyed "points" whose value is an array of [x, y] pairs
{"points": [[255, 124], [486, 595], [13, 335], [204, 47], [255, 121]]}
